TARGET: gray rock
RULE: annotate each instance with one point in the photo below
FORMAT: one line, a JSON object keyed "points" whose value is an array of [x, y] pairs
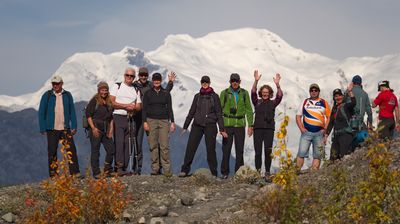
{"points": [[187, 200], [203, 171], [156, 220], [9, 217], [126, 216], [240, 212], [160, 211], [142, 220], [173, 214], [200, 196], [246, 174]]}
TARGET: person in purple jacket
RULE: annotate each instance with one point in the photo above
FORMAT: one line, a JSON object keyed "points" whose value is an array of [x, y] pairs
{"points": [[264, 123]]}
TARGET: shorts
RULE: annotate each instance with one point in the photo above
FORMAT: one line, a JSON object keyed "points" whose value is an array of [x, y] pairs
{"points": [[316, 138]]}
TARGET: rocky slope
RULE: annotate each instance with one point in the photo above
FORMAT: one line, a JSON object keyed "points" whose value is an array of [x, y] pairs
{"points": [[202, 198]]}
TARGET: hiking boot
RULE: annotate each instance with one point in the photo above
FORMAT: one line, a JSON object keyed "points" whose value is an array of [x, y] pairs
{"points": [[168, 174], [183, 174], [224, 177], [78, 176], [155, 173], [121, 173], [267, 177]]}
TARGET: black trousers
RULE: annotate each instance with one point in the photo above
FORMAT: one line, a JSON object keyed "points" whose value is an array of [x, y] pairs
{"points": [[108, 145], [53, 139], [386, 128], [266, 136], [341, 145], [139, 142], [121, 137], [196, 133], [237, 134]]}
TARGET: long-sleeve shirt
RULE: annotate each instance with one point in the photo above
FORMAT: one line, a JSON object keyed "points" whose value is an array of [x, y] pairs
{"points": [[205, 109], [265, 109], [157, 105], [338, 120]]}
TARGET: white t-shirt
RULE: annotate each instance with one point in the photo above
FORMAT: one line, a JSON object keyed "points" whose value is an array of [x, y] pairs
{"points": [[125, 94]]}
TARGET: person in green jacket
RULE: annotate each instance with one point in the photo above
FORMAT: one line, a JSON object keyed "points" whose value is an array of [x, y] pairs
{"points": [[236, 108]]}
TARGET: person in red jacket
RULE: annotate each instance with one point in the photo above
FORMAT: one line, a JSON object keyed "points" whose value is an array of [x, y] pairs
{"points": [[387, 103]]}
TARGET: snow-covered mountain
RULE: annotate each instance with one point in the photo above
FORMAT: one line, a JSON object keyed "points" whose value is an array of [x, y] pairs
{"points": [[218, 55]]}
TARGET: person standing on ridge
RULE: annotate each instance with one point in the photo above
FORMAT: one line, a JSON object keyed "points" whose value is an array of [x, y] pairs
{"points": [[340, 121], [57, 120], [126, 101], [236, 108], [206, 111], [264, 120], [362, 107], [99, 115], [158, 121], [312, 119], [143, 84], [388, 104]]}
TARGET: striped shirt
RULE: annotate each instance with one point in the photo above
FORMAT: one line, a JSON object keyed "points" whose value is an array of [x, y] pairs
{"points": [[315, 114]]}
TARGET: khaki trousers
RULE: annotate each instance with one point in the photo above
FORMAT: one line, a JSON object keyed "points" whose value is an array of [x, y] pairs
{"points": [[158, 135]]}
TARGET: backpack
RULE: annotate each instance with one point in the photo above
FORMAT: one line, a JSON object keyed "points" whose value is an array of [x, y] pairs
{"points": [[85, 122], [356, 121], [349, 128]]}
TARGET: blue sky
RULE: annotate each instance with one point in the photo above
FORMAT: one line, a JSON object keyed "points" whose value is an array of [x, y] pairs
{"points": [[37, 36]]}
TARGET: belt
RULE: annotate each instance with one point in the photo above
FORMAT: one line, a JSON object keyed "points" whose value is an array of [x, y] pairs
{"points": [[233, 116]]}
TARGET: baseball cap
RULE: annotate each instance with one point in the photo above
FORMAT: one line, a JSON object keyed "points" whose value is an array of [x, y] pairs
{"points": [[357, 79], [56, 78], [205, 79], [235, 76], [337, 91], [314, 86], [143, 70], [156, 76]]}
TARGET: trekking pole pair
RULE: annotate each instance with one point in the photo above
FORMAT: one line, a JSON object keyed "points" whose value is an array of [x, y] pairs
{"points": [[132, 144]]}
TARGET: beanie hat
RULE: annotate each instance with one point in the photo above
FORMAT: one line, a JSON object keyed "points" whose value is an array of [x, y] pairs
{"points": [[357, 80], [101, 85]]}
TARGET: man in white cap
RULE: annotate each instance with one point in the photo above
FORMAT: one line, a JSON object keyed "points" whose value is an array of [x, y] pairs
{"points": [[57, 120]]}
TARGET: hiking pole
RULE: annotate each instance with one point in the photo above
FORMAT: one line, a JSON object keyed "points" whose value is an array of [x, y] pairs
{"points": [[135, 151], [130, 163]]}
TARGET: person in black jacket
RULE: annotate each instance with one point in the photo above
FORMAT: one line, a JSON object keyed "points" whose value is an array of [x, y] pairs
{"points": [[340, 122], [206, 111], [158, 121], [143, 85], [264, 123], [99, 114]]}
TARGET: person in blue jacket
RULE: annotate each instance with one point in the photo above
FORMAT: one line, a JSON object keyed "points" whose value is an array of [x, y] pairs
{"points": [[57, 120]]}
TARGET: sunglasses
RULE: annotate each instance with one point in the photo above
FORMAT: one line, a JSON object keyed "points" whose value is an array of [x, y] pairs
{"points": [[235, 80], [56, 83], [203, 81], [129, 75], [314, 90], [143, 75]]}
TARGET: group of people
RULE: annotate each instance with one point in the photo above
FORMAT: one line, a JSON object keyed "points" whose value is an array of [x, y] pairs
{"points": [[316, 120], [119, 116]]}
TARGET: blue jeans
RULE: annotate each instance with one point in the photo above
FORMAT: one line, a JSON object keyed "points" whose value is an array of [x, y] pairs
{"points": [[316, 138]]}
